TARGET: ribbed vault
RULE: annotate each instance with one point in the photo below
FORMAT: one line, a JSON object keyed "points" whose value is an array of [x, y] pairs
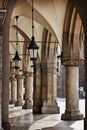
{"points": [[56, 23], [73, 34], [48, 15]]}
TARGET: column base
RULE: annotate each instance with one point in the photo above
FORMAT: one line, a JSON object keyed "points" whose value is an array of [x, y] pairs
{"points": [[5, 125], [18, 103], [37, 109], [72, 115], [12, 102], [50, 108], [27, 106]]}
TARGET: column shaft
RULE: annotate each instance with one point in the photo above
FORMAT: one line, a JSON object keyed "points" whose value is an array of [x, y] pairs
{"points": [[19, 90], [85, 119], [13, 90], [5, 84], [9, 91], [28, 91], [5, 70], [72, 94], [37, 95], [50, 105], [0, 100]]}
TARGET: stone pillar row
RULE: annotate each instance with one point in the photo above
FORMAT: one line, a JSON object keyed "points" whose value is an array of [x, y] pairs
{"points": [[16, 90], [48, 101]]}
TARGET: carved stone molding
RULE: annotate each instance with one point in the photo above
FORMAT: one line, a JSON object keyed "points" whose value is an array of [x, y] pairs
{"points": [[19, 76], [71, 62], [28, 74]]}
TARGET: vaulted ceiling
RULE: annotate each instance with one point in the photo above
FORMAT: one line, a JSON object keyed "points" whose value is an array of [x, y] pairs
{"points": [[52, 18]]}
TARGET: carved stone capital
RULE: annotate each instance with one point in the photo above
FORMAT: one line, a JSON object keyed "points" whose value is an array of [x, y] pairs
{"points": [[28, 74], [71, 62], [19, 76]]}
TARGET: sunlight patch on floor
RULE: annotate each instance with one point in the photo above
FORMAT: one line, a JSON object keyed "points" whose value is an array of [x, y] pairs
{"points": [[49, 121]]}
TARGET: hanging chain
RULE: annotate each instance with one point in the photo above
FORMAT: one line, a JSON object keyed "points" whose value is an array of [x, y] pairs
{"points": [[32, 19], [17, 32]]}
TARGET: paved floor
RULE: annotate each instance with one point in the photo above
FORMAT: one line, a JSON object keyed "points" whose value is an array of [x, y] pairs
{"points": [[24, 119]]}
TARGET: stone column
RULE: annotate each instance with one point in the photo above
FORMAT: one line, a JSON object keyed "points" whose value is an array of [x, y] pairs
{"points": [[37, 94], [0, 82], [13, 90], [85, 119], [50, 105], [5, 64], [5, 84], [28, 91], [9, 90], [19, 90], [72, 92]]}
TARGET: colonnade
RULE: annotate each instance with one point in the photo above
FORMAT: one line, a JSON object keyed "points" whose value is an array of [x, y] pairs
{"points": [[16, 90], [42, 98], [39, 95]]}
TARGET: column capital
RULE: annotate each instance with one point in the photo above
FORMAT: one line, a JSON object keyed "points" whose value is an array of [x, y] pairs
{"points": [[19, 76], [28, 74], [13, 78], [71, 62]]}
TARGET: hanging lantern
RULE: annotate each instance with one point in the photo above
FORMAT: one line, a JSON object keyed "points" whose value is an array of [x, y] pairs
{"points": [[33, 49], [16, 61]]}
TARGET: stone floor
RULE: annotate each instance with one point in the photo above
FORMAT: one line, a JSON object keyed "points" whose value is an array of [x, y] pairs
{"points": [[24, 119]]}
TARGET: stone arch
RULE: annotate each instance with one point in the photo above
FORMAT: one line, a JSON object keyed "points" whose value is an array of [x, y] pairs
{"points": [[72, 36], [5, 64], [81, 7], [71, 59], [25, 56], [7, 57]]}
